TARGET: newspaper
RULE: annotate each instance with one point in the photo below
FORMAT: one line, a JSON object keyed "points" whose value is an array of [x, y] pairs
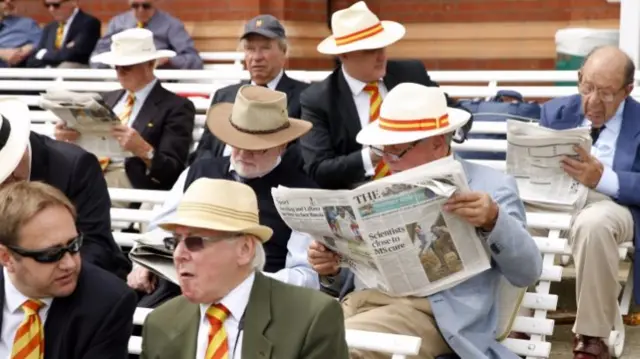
{"points": [[151, 253], [533, 158], [392, 232], [88, 114]]}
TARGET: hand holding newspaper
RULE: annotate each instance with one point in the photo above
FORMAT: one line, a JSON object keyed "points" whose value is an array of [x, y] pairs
{"points": [[392, 233], [151, 253], [533, 158], [90, 116]]}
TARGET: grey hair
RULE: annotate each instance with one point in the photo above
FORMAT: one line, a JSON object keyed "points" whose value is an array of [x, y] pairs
{"points": [[283, 45], [259, 257]]}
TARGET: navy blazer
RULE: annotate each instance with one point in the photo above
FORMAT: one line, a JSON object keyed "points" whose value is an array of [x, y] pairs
{"points": [[566, 112]]}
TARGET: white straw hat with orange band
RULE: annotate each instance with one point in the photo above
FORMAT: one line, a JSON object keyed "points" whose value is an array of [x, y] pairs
{"points": [[411, 112], [357, 28]]}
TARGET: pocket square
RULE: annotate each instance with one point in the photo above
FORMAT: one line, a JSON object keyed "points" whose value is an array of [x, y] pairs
{"points": [[71, 44]]}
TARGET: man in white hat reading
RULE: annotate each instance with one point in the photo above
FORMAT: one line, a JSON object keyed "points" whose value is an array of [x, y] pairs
{"points": [[350, 97], [415, 127], [257, 128], [228, 308], [156, 125]]}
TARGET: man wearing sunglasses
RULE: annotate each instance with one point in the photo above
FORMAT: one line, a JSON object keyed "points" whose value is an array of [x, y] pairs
{"points": [[257, 128], [68, 40], [168, 34], [52, 301]]}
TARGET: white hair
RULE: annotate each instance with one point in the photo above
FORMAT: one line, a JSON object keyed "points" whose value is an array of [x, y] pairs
{"points": [[259, 257]]}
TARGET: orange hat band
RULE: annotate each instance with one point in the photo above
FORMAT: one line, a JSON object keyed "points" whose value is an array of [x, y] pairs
{"points": [[423, 124], [359, 35]]}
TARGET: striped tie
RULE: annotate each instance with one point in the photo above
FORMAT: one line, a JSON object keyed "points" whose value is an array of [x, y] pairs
{"points": [[124, 119], [375, 100], [140, 24], [218, 347], [59, 35], [29, 340]]}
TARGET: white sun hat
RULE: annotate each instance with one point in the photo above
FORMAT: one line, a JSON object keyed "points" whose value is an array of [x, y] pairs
{"points": [[131, 47], [15, 127], [357, 28], [411, 112]]}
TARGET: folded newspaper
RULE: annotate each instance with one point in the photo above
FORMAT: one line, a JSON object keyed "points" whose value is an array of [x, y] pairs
{"points": [[151, 253], [533, 158], [392, 233], [88, 114]]}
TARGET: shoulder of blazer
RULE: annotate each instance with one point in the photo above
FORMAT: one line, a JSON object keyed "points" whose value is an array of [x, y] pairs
{"points": [[97, 283], [323, 90], [227, 93]]}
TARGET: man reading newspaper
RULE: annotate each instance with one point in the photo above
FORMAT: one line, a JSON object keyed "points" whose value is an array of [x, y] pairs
{"points": [[415, 128]]}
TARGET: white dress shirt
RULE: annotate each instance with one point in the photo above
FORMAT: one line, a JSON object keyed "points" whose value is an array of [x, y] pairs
{"points": [[362, 99], [605, 149], [236, 302], [297, 270], [272, 86], [13, 315], [65, 31]]}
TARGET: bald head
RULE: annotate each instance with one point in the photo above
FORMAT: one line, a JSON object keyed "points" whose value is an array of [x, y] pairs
{"points": [[612, 61]]}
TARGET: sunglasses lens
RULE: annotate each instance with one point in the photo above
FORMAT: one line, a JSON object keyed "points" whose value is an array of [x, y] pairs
{"points": [[50, 256], [194, 244], [145, 6], [52, 5]]}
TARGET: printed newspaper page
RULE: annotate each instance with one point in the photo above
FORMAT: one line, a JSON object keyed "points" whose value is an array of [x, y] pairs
{"points": [[533, 158], [150, 252], [392, 232], [89, 115]]}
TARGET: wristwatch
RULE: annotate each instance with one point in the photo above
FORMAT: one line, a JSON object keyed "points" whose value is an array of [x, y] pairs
{"points": [[149, 155]]}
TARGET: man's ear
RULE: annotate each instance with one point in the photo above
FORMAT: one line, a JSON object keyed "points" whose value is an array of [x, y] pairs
{"points": [[6, 259], [246, 250]]}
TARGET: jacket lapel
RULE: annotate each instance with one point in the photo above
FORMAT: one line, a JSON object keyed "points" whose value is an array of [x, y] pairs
{"points": [[149, 109], [111, 98], [255, 345], [390, 80], [183, 336], [75, 27], [347, 107], [285, 85], [628, 139], [39, 159]]}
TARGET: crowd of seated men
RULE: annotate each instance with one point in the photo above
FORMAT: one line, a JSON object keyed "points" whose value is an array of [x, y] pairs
{"points": [[248, 285]]}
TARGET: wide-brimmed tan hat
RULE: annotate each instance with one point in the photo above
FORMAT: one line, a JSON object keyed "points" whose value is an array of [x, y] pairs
{"points": [[358, 28], [131, 47], [219, 205], [411, 112], [15, 127], [257, 120]]}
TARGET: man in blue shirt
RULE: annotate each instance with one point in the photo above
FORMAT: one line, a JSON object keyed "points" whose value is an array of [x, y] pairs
{"points": [[18, 35]]}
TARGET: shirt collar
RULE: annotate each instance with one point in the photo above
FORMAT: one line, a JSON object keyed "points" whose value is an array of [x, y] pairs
{"points": [[273, 83], [143, 93], [14, 299], [236, 301], [356, 86], [73, 15]]}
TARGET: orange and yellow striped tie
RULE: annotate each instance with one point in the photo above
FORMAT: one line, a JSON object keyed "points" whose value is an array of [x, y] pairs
{"points": [[218, 347], [140, 24], [29, 340], [124, 119], [375, 100], [59, 35]]}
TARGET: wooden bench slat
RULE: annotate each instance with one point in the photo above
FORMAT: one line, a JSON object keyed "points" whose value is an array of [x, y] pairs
{"points": [[528, 348]]}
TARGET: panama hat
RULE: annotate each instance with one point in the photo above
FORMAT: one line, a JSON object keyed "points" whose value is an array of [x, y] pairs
{"points": [[219, 205], [15, 127], [411, 112], [131, 47], [257, 120], [357, 28]]}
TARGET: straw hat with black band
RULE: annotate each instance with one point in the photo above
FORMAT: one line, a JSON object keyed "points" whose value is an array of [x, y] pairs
{"points": [[15, 127], [257, 120]]}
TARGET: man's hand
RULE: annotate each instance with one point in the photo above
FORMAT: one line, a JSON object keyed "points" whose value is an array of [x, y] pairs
{"points": [[477, 208], [162, 62], [587, 170], [322, 259], [142, 279], [130, 140], [63, 133]]}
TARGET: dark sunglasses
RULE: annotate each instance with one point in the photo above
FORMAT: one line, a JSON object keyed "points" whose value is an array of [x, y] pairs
{"points": [[143, 5], [51, 255], [393, 156], [55, 5], [194, 243]]}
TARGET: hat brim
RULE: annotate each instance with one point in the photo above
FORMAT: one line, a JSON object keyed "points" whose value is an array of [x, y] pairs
{"points": [[373, 135], [17, 114], [218, 122], [262, 232], [113, 59], [392, 32]]}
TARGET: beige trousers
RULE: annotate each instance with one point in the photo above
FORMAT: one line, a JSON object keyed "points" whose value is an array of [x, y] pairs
{"points": [[372, 310], [596, 232], [116, 177]]}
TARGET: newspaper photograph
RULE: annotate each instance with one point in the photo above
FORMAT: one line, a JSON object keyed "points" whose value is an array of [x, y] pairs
{"points": [[90, 116], [533, 158], [392, 233]]}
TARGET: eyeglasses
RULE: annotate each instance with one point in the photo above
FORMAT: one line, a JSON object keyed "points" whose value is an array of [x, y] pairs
{"points": [[53, 254], [194, 243], [140, 5], [394, 157], [55, 5]]}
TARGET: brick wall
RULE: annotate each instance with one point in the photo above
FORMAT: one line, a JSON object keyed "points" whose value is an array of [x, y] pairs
{"points": [[411, 12]]}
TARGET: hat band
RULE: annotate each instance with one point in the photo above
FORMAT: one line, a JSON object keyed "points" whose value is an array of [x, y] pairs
{"points": [[359, 35], [259, 132], [423, 124], [225, 212], [5, 131]]}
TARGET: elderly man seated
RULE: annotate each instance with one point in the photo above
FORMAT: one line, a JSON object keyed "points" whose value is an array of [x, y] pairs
{"points": [[612, 173], [228, 308], [416, 127], [257, 129], [18, 35]]}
